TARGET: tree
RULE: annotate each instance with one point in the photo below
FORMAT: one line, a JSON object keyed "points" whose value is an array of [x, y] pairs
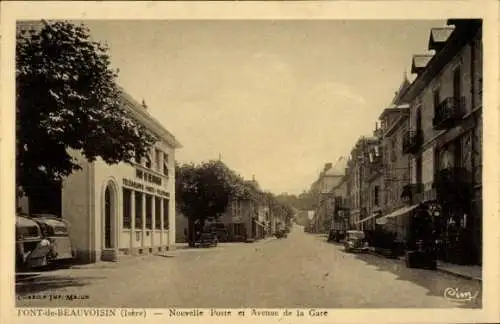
{"points": [[204, 191], [67, 99]]}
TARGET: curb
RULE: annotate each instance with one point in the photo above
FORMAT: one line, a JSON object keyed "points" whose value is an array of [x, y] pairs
{"points": [[438, 268], [458, 274]]}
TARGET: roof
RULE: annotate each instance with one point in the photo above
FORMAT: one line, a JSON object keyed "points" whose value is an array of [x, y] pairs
{"points": [[22, 221], [419, 62], [439, 35], [146, 118], [395, 108], [405, 83], [338, 169], [464, 31]]}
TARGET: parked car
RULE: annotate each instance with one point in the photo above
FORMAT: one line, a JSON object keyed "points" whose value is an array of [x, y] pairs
{"points": [[41, 240], [281, 234], [355, 241], [206, 239], [220, 230], [57, 231]]}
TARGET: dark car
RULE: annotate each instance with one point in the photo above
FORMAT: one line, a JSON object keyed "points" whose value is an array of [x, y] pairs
{"points": [[41, 240], [355, 241], [207, 239]]}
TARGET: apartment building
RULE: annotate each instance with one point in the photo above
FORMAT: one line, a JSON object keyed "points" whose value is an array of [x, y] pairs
{"points": [[359, 181], [329, 178], [373, 181], [446, 143]]}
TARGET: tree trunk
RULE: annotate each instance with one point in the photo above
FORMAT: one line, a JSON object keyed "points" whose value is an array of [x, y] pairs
{"points": [[191, 231]]}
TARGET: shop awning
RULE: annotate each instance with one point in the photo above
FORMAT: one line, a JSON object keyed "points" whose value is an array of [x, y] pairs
{"points": [[376, 213], [402, 211], [373, 215]]}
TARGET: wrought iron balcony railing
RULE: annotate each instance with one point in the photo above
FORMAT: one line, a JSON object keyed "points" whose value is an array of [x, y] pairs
{"points": [[412, 141], [448, 112]]}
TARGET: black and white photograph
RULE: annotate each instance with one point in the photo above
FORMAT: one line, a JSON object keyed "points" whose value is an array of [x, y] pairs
{"points": [[244, 167]]}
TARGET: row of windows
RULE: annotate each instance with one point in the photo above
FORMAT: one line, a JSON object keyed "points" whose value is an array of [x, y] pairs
{"points": [[160, 160], [149, 200]]}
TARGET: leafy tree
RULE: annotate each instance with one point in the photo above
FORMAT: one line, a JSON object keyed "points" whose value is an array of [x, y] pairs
{"points": [[204, 191], [67, 99]]}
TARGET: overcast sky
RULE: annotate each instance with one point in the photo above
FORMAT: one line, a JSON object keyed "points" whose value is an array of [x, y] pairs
{"points": [[277, 99]]}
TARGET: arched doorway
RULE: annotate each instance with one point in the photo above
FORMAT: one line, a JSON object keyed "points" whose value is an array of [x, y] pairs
{"points": [[109, 217]]}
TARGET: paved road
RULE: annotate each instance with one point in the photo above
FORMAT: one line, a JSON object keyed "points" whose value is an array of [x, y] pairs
{"points": [[300, 271]]}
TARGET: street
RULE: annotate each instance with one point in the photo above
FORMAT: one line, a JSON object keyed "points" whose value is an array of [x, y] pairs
{"points": [[300, 271]]}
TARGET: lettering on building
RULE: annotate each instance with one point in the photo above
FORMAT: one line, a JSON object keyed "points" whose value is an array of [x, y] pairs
{"points": [[140, 186]]}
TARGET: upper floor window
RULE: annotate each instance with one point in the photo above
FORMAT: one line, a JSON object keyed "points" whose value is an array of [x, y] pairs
{"points": [[436, 97], [165, 164], [157, 160], [376, 195], [457, 83], [393, 149], [148, 161]]}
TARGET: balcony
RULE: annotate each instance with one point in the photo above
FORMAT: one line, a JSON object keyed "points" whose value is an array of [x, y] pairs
{"points": [[412, 141], [448, 112]]}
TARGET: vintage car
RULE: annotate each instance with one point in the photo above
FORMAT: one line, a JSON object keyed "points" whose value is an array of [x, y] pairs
{"points": [[281, 234], [57, 231], [41, 240], [355, 241], [206, 239]]}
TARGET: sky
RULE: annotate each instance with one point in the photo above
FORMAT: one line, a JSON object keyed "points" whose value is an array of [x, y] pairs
{"points": [[276, 99]]}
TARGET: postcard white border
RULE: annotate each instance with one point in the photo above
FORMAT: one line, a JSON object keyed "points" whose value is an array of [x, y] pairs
{"points": [[381, 10]]}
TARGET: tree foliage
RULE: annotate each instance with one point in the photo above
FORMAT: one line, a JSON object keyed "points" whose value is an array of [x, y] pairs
{"points": [[204, 191], [67, 98]]}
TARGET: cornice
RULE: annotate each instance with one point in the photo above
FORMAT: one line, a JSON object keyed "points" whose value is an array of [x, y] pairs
{"points": [[149, 121]]}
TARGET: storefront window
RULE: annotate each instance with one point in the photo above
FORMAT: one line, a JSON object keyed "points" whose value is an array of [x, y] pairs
{"points": [[138, 210], [158, 212], [149, 212], [127, 206], [165, 213]]}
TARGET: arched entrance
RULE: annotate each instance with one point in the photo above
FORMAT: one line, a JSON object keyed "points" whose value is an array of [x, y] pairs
{"points": [[109, 217]]}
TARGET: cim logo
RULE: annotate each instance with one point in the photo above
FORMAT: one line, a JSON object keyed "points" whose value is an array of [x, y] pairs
{"points": [[454, 294]]}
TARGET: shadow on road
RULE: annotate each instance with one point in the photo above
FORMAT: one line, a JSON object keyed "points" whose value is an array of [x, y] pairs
{"points": [[435, 282], [38, 283]]}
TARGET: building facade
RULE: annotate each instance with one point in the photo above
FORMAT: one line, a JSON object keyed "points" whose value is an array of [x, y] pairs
{"points": [[373, 181], [358, 181], [446, 109], [123, 208], [329, 178]]}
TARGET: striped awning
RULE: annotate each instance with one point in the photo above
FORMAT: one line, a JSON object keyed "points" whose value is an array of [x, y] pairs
{"points": [[372, 216], [402, 211]]}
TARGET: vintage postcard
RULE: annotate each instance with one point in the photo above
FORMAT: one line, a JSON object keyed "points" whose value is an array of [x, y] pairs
{"points": [[314, 162]]}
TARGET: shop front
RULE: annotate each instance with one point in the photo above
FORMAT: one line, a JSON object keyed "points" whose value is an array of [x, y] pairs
{"points": [[121, 209]]}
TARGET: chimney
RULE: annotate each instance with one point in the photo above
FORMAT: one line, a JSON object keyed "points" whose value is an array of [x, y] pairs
{"points": [[143, 104], [328, 166]]}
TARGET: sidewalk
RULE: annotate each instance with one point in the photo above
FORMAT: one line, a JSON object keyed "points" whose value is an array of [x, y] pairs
{"points": [[465, 271], [473, 272]]}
